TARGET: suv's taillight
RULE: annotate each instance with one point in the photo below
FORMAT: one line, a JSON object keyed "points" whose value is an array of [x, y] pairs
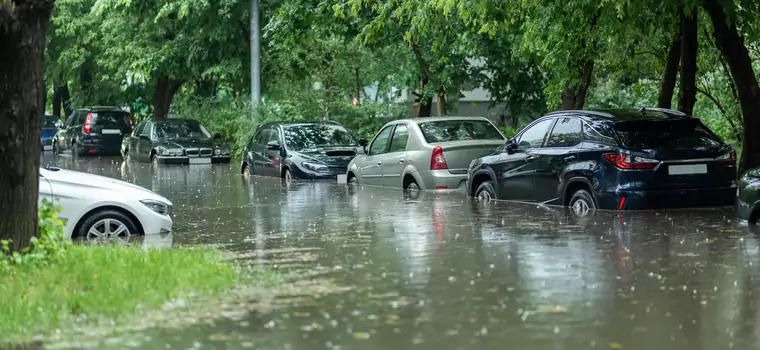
{"points": [[728, 159], [87, 128], [437, 161], [131, 123], [626, 161]]}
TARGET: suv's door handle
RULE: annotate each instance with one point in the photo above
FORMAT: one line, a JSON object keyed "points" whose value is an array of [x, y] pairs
{"points": [[400, 160], [530, 158], [379, 163], [570, 159]]}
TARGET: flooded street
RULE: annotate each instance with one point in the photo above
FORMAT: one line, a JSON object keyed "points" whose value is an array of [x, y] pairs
{"points": [[442, 272]]}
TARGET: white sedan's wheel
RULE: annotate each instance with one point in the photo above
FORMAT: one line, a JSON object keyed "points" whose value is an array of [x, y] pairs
{"points": [[107, 224]]}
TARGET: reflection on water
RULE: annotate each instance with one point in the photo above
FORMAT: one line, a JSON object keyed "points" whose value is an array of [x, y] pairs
{"points": [[442, 272]]}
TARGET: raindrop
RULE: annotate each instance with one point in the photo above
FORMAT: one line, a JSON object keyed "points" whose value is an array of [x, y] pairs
{"points": [[556, 330]]}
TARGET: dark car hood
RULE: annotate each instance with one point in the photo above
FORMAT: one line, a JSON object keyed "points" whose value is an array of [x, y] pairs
{"points": [[186, 143], [331, 156]]}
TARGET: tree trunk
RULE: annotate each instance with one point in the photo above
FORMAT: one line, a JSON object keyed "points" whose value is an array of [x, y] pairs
{"points": [[665, 98], [22, 39], [357, 81], [57, 102], [732, 46], [576, 88], [574, 95], [66, 100], [687, 94], [429, 77], [166, 88], [441, 103]]}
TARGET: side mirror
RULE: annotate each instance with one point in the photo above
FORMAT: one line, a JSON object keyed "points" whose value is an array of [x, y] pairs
{"points": [[58, 124], [274, 145], [363, 142], [217, 135], [511, 146], [144, 137], [360, 150]]}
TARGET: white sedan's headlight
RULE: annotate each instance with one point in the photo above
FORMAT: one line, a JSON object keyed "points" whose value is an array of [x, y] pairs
{"points": [[314, 166], [157, 206]]}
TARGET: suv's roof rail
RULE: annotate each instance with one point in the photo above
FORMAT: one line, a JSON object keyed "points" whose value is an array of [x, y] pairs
{"points": [[667, 111]]}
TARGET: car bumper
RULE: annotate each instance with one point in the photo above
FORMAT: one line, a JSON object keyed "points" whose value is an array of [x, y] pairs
{"points": [[313, 175], [662, 199], [193, 160], [100, 148], [156, 224], [433, 180]]}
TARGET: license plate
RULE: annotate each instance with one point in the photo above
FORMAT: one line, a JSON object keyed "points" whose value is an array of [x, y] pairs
{"points": [[110, 132], [47, 147], [200, 160], [687, 169], [342, 179]]}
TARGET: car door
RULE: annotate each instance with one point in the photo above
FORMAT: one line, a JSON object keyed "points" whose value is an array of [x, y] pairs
{"points": [[258, 151], [555, 157], [394, 162], [64, 137], [132, 139], [370, 167], [74, 128], [274, 156], [144, 143], [515, 171]]}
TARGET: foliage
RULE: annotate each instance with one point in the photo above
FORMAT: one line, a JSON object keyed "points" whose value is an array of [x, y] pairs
{"points": [[56, 284]]}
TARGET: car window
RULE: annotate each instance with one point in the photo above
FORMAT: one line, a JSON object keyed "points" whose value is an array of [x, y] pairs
{"points": [[275, 135], [181, 129], [590, 134], [303, 137], [566, 133], [647, 134], [72, 121], [381, 141], [80, 117], [111, 120], [534, 136], [458, 129], [262, 138], [400, 138], [146, 131]]}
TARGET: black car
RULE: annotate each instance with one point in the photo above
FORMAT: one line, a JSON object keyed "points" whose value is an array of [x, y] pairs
{"points": [[749, 196], [610, 159], [174, 141], [302, 150], [93, 130]]}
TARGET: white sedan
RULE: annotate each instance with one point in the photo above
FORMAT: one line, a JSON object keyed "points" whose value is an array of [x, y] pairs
{"points": [[97, 207]]}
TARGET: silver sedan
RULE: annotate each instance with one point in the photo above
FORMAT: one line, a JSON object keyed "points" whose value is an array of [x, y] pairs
{"points": [[424, 153]]}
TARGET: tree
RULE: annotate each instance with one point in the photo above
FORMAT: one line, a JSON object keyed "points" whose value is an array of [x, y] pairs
{"points": [[22, 44]]}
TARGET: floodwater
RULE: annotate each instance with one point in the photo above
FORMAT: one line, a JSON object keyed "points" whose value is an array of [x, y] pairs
{"points": [[442, 272]]}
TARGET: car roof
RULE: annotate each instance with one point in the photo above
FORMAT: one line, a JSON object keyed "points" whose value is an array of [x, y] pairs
{"points": [[169, 120], [624, 114], [103, 108], [300, 122], [438, 119]]}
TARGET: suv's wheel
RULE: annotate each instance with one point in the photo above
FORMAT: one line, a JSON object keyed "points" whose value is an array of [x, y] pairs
{"points": [[288, 177], [154, 159], [486, 192], [107, 224], [353, 180], [246, 171], [582, 203], [56, 150]]}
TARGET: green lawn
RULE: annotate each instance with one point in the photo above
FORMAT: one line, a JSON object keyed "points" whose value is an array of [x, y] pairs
{"points": [[91, 283]]}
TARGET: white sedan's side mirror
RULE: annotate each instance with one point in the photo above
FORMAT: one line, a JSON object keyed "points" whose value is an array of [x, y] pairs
{"points": [[360, 150]]}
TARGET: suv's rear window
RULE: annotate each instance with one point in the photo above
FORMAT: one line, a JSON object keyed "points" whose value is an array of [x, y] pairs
{"points": [[642, 134], [458, 130], [108, 119]]}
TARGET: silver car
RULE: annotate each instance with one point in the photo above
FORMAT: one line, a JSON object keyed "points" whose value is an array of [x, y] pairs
{"points": [[424, 153]]}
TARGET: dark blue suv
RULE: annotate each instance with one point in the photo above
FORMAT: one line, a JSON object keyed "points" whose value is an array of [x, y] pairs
{"points": [[610, 159]]}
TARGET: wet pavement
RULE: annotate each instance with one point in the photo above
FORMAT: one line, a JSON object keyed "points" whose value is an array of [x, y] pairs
{"points": [[442, 272]]}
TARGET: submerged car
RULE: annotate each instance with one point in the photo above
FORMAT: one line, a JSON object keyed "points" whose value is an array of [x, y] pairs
{"points": [[424, 153], [97, 207], [174, 141], [748, 196], [50, 125], [620, 159], [93, 130], [299, 150]]}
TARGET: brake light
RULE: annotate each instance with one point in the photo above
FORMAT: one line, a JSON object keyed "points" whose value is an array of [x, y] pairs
{"points": [[87, 128], [437, 161], [131, 124], [626, 161], [728, 159]]}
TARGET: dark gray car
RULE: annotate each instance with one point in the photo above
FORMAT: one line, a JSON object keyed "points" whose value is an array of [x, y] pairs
{"points": [[174, 141]]}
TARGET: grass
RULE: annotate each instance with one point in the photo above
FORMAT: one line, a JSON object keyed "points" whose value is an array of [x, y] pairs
{"points": [[89, 284]]}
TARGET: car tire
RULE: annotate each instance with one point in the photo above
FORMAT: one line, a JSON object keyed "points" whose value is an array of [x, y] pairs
{"points": [[486, 192], [582, 203], [75, 151], [154, 159], [124, 154], [56, 150], [246, 171], [287, 176], [107, 224], [412, 186], [353, 180]]}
